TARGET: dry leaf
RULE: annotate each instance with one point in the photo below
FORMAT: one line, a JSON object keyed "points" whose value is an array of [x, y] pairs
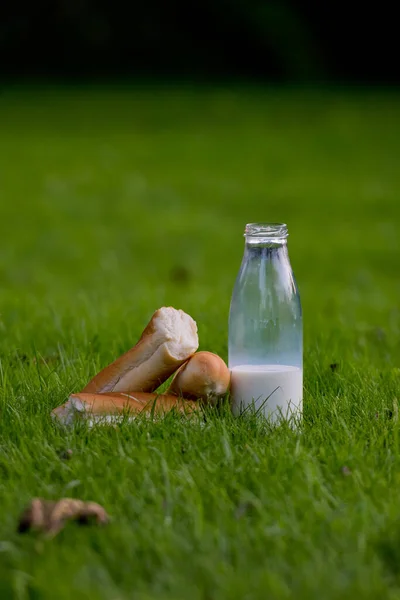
{"points": [[49, 517]]}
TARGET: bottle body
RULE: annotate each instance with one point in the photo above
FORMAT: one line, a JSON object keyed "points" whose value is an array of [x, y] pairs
{"points": [[265, 327]]}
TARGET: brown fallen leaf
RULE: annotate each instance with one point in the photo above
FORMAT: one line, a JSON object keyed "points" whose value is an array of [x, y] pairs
{"points": [[48, 517]]}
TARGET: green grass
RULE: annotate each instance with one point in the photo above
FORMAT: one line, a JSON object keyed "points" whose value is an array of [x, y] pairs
{"points": [[104, 194]]}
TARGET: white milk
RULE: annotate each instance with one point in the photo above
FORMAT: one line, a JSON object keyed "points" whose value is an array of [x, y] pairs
{"points": [[275, 389]]}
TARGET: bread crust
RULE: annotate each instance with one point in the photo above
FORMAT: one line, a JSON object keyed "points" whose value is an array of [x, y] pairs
{"points": [[117, 404], [160, 350]]}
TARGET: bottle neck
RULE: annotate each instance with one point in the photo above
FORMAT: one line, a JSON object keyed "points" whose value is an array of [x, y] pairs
{"points": [[252, 242], [273, 251], [260, 237]]}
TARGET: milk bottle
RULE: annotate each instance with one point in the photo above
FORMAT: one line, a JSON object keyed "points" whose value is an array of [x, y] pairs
{"points": [[265, 327]]}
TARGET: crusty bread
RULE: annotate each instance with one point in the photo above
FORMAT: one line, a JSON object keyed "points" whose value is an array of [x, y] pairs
{"points": [[204, 376], [106, 407], [169, 340]]}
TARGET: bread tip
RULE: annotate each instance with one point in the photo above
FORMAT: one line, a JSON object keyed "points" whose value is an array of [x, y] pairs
{"points": [[66, 412]]}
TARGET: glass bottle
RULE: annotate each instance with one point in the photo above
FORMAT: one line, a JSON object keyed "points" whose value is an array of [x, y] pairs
{"points": [[266, 328]]}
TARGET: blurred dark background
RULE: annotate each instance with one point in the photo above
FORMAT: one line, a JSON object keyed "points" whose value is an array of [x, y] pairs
{"points": [[212, 39]]}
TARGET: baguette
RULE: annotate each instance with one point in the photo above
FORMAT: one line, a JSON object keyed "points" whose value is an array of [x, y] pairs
{"points": [[108, 407], [169, 340], [204, 376]]}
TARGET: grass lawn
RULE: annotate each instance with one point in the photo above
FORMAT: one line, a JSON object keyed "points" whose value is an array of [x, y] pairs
{"points": [[116, 202]]}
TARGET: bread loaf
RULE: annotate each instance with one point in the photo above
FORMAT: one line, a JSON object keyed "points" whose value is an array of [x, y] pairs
{"points": [[106, 407], [205, 376]]}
